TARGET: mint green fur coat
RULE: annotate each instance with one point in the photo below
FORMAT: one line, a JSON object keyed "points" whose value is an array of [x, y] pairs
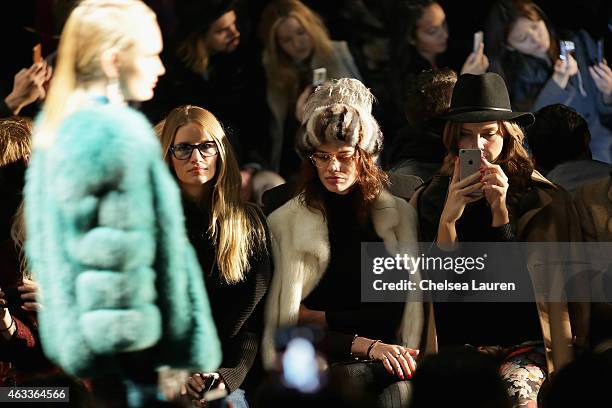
{"points": [[121, 286]]}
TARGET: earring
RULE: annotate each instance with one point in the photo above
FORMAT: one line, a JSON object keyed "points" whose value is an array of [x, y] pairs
{"points": [[113, 91]]}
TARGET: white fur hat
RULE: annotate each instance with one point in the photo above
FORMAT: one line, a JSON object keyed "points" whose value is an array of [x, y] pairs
{"points": [[350, 124], [340, 109]]}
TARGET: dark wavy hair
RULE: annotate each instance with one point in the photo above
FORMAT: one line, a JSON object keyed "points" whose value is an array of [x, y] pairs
{"points": [[371, 180]]}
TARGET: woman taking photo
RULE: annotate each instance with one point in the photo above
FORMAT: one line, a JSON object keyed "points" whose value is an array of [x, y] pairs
{"points": [[506, 201], [525, 51], [317, 234], [295, 43], [229, 237]]}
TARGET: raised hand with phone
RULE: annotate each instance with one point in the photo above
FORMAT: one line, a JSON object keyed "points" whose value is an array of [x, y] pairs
{"points": [[477, 62], [30, 84], [602, 74]]}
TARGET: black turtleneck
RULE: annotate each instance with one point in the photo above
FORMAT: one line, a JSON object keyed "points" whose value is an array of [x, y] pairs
{"points": [[338, 293], [237, 309]]}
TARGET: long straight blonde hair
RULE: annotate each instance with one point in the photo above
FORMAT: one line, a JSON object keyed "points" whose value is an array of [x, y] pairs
{"points": [[93, 27], [281, 70], [234, 224]]}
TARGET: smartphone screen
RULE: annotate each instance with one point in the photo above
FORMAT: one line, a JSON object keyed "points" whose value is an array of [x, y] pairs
{"points": [[319, 75], [477, 40], [37, 53], [565, 47], [600, 50]]}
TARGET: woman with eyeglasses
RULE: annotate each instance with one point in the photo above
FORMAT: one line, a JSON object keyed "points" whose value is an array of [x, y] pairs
{"points": [[317, 238], [230, 239]]}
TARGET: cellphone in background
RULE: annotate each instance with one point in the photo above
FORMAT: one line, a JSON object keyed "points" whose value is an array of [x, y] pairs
{"points": [[478, 35], [37, 53], [600, 50], [319, 75], [565, 47], [469, 163]]}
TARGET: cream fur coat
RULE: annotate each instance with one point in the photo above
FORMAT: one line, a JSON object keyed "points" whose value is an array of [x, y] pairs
{"points": [[300, 248]]}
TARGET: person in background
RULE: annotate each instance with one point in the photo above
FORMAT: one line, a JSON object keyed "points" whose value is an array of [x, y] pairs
{"points": [[19, 341], [230, 238], [418, 149], [559, 143], [421, 40], [296, 42], [211, 63], [105, 233], [524, 49]]}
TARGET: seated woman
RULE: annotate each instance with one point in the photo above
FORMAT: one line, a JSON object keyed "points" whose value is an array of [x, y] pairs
{"points": [[230, 239], [516, 204], [19, 340], [317, 234], [524, 49], [296, 42], [420, 43]]}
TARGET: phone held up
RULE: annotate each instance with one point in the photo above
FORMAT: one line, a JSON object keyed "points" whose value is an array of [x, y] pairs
{"points": [[37, 53], [469, 163], [478, 35], [565, 47], [600, 51], [319, 75]]}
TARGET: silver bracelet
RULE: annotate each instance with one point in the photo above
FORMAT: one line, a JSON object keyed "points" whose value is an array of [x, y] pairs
{"points": [[351, 349]]}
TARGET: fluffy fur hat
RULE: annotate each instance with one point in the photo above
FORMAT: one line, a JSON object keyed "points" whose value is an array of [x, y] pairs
{"points": [[343, 122], [340, 109], [349, 91]]}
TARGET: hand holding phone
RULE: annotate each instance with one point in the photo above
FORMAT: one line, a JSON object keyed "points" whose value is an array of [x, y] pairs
{"points": [[478, 36]]}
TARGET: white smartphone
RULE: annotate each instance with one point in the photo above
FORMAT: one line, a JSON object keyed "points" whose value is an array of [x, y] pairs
{"points": [[319, 75], [478, 37], [565, 47], [469, 163]]}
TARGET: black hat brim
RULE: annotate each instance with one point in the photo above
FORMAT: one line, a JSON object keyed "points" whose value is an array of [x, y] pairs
{"points": [[524, 119]]}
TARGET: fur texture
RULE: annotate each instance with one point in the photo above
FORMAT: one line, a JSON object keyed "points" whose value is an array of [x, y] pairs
{"points": [[106, 241], [300, 247]]}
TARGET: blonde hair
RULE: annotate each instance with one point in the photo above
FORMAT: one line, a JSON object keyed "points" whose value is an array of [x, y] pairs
{"points": [[234, 224], [281, 70], [192, 51], [93, 27]]}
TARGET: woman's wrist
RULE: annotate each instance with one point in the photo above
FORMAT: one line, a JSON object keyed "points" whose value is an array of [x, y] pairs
{"points": [[500, 216], [560, 79], [7, 326]]}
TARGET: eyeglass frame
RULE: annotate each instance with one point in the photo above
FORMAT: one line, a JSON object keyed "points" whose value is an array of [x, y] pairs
{"points": [[334, 156], [193, 147]]}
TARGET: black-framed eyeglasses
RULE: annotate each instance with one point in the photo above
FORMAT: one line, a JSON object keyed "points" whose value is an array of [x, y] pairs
{"points": [[183, 151], [322, 160]]}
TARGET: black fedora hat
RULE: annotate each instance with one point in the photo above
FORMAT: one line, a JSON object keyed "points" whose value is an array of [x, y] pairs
{"points": [[483, 98]]}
